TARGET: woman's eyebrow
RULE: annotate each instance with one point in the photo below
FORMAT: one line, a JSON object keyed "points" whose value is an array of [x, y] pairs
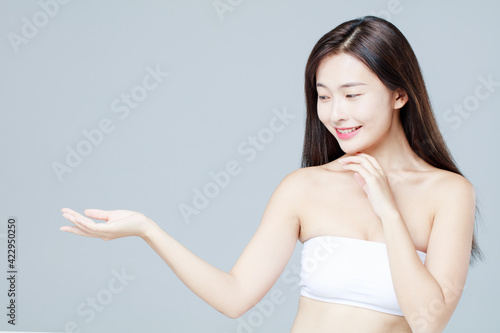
{"points": [[342, 86]]}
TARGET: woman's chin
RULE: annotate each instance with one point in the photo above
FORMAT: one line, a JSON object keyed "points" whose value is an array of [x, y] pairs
{"points": [[352, 151]]}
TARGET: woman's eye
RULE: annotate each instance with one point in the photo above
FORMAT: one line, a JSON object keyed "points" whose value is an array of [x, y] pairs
{"points": [[350, 96], [322, 97]]}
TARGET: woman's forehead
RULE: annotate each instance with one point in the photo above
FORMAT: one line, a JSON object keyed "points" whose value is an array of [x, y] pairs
{"points": [[339, 69]]}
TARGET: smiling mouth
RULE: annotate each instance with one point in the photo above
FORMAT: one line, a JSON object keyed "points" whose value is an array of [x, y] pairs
{"points": [[345, 131]]}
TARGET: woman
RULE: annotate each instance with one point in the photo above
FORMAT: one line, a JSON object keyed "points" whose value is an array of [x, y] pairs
{"points": [[385, 216]]}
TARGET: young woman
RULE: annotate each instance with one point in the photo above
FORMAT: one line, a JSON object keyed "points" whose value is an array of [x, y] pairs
{"points": [[385, 217]]}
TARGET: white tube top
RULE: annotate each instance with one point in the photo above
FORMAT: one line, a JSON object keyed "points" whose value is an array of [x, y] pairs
{"points": [[349, 271]]}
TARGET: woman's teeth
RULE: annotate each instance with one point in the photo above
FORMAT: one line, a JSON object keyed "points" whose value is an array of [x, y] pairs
{"points": [[349, 130]]}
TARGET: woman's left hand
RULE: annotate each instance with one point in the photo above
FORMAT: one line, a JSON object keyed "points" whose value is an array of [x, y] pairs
{"points": [[371, 177]]}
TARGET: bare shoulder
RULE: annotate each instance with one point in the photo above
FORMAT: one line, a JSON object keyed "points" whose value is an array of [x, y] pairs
{"points": [[304, 178], [450, 183], [299, 185], [308, 184], [452, 192], [292, 185]]}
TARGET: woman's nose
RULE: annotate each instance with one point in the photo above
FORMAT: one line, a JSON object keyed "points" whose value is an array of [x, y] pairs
{"points": [[337, 114]]}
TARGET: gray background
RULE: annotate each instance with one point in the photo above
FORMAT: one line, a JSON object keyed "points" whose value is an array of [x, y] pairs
{"points": [[226, 76]]}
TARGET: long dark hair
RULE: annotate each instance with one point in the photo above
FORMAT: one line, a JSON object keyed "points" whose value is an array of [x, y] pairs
{"points": [[384, 49]]}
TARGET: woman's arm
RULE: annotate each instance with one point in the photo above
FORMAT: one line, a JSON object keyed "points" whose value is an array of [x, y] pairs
{"points": [[214, 286], [255, 272], [428, 294]]}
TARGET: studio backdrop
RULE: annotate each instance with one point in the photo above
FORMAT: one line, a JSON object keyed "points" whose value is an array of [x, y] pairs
{"points": [[143, 105]]}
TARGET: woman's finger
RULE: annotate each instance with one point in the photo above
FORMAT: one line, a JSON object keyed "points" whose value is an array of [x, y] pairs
{"points": [[361, 161], [81, 224], [75, 214], [84, 223], [98, 213], [359, 169], [76, 230], [85, 228], [373, 161], [69, 217], [91, 226]]}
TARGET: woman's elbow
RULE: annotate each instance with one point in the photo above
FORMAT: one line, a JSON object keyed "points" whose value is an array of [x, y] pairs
{"points": [[233, 312], [237, 308], [233, 315]]}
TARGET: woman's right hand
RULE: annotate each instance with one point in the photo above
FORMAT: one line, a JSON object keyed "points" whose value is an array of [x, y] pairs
{"points": [[119, 223]]}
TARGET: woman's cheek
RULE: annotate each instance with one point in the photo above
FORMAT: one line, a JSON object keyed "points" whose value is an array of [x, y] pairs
{"points": [[322, 115], [368, 110]]}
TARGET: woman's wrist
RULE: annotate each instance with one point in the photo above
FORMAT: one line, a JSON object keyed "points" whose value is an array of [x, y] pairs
{"points": [[150, 227], [390, 214]]}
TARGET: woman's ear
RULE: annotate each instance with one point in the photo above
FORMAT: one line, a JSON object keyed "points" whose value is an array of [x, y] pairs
{"points": [[400, 98]]}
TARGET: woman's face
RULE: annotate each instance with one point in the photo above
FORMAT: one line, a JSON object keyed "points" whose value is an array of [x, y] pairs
{"points": [[351, 95]]}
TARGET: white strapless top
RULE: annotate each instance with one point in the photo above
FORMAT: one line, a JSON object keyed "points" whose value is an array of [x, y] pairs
{"points": [[349, 271]]}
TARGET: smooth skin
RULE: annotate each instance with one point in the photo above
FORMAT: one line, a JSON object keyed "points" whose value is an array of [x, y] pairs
{"points": [[384, 194]]}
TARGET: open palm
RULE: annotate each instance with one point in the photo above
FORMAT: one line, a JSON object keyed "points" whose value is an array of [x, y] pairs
{"points": [[119, 223]]}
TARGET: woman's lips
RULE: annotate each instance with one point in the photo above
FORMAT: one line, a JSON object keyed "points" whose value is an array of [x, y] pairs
{"points": [[347, 135]]}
